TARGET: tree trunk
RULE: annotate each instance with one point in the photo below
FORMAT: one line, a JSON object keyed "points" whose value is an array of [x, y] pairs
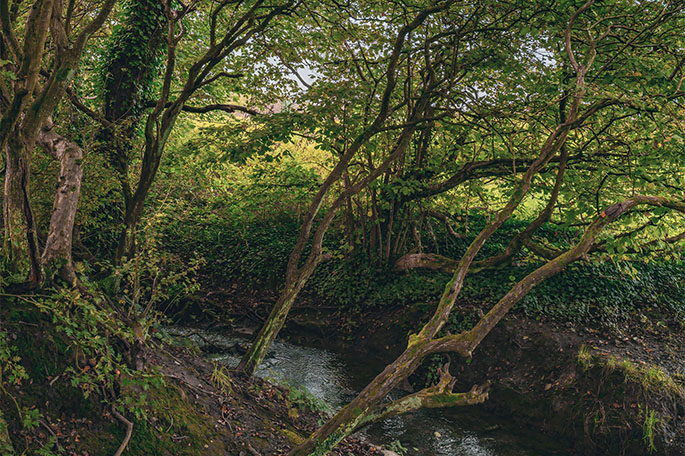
{"points": [[296, 277], [354, 415], [135, 205], [426, 260], [368, 406], [20, 245], [267, 334], [57, 253]]}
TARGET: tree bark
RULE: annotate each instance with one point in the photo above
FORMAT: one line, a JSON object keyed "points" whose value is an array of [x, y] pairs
{"points": [[267, 334], [21, 243], [30, 106], [57, 252]]}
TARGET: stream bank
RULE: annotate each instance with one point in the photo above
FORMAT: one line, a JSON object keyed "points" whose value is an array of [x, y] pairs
{"points": [[56, 398], [591, 391]]}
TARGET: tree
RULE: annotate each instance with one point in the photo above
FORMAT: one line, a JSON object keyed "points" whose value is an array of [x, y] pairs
{"points": [[27, 103], [229, 31], [413, 91], [589, 105]]}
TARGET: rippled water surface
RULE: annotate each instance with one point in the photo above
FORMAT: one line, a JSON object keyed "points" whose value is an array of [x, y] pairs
{"points": [[335, 378]]}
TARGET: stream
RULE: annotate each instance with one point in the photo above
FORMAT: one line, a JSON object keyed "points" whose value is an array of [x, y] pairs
{"points": [[334, 378]]}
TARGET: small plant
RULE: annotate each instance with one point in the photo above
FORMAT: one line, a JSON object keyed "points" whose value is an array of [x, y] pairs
{"points": [[301, 397], [221, 379], [398, 448], [649, 429], [31, 417], [584, 357]]}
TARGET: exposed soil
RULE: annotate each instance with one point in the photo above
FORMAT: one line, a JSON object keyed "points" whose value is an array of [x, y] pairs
{"points": [[252, 416]]}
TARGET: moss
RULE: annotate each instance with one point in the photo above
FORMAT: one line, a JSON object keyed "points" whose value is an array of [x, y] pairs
{"points": [[174, 415], [653, 379], [636, 397], [294, 437]]}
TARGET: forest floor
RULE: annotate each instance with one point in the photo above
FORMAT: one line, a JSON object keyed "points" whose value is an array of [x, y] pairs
{"points": [[261, 418], [600, 390]]}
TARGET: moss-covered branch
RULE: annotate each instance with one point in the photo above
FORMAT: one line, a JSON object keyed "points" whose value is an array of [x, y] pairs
{"points": [[466, 342]]}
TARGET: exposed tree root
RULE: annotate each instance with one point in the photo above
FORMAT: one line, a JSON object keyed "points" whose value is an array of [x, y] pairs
{"points": [[129, 431]]}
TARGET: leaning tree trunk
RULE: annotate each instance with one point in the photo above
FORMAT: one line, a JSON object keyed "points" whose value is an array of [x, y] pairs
{"points": [[57, 252], [361, 410], [368, 406], [297, 277], [267, 334]]}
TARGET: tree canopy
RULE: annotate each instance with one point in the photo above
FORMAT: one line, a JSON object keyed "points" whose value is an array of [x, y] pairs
{"points": [[376, 123]]}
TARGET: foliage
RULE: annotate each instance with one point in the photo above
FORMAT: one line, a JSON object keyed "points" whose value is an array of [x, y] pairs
{"points": [[649, 429], [467, 100], [398, 448], [131, 59]]}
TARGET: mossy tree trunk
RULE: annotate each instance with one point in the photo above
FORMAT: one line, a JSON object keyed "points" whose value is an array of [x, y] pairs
{"points": [[20, 245], [29, 105], [296, 276], [369, 407], [18, 131], [362, 409]]}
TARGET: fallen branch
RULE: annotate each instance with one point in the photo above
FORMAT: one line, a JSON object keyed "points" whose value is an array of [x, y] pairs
{"points": [[426, 260]]}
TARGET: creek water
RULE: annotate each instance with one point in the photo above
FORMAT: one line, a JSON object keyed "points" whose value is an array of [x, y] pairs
{"points": [[334, 378]]}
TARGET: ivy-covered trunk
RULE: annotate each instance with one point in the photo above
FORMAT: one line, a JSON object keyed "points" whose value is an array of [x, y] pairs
{"points": [[132, 59]]}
